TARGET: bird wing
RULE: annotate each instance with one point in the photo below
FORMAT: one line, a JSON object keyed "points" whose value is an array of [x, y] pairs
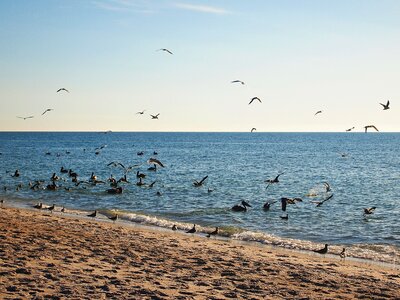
{"points": [[374, 127], [387, 104], [204, 178], [253, 129], [45, 112], [155, 161], [251, 101], [318, 112]]}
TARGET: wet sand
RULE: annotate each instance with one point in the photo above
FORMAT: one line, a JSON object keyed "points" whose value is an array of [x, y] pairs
{"points": [[47, 255]]}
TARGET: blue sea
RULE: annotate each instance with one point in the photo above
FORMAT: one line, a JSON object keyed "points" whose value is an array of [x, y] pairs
{"points": [[362, 169]]}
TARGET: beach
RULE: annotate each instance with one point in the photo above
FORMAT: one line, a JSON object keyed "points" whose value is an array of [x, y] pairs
{"points": [[47, 255]]}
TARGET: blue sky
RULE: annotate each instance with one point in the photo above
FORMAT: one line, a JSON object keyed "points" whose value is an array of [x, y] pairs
{"points": [[298, 57]]}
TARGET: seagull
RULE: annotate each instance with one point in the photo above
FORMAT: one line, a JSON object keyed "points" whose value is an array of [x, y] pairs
{"points": [[318, 112], [350, 129], [193, 230], [165, 50], [62, 89], [49, 109], [30, 117], [254, 98], [370, 126], [369, 211], [385, 107], [215, 232], [323, 250], [155, 117], [253, 129], [200, 183], [237, 81], [141, 112]]}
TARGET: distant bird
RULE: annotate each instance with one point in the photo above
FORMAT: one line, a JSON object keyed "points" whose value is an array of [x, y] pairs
{"points": [[318, 112], [275, 180], [30, 117], [385, 107], [155, 161], [327, 187], [241, 207], [285, 217], [154, 117], [62, 89], [140, 175], [215, 232], [114, 218], [343, 253], [370, 126], [369, 211], [267, 205], [254, 98], [93, 214], [200, 183], [63, 209], [253, 129], [174, 227], [152, 184], [49, 109], [1, 202], [193, 230], [237, 81], [319, 203], [323, 250], [51, 208], [16, 174], [141, 112], [350, 129], [153, 168], [165, 50], [38, 206], [284, 202]]}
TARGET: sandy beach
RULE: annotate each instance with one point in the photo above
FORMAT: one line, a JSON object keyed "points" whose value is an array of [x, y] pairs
{"points": [[47, 255]]}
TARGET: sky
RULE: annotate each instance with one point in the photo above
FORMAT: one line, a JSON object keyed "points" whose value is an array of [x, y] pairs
{"points": [[297, 56]]}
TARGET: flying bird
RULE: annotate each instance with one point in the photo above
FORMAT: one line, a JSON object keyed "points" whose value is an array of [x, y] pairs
{"points": [[253, 129], [369, 211], [370, 126], [165, 50], [237, 81], [350, 129], [30, 117], [200, 183], [49, 109], [318, 112], [155, 117], [385, 107], [254, 98], [141, 112], [155, 161], [62, 89]]}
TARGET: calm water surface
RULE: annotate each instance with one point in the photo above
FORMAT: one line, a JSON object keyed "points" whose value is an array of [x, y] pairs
{"points": [[237, 165]]}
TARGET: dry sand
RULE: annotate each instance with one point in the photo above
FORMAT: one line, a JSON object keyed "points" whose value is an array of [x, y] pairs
{"points": [[50, 256]]}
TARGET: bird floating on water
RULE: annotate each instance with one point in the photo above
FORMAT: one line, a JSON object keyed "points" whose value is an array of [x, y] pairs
{"points": [[369, 210], [62, 89], [241, 207], [155, 161], [255, 98], [370, 126], [385, 106]]}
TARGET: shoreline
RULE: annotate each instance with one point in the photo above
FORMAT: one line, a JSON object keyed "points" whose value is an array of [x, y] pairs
{"points": [[81, 214], [49, 254]]}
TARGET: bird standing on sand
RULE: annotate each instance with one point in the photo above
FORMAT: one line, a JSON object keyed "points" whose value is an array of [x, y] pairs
{"points": [[237, 81], [323, 250], [51, 208], [318, 112], [343, 254], [62, 89], [370, 126], [174, 227], [215, 232], [63, 209], [154, 117], [114, 218], [38, 206], [255, 98], [385, 106], [165, 50], [49, 109], [93, 214], [193, 230]]}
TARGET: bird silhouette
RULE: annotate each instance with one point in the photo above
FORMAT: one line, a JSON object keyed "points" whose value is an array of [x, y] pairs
{"points": [[253, 129], [193, 230], [215, 232], [114, 218], [155, 161], [318, 112], [241, 207], [350, 129], [369, 210], [93, 214], [30, 117], [254, 98], [200, 183], [237, 81], [141, 112], [49, 109], [385, 106], [62, 89], [343, 253], [323, 250], [370, 126], [165, 50], [155, 117]]}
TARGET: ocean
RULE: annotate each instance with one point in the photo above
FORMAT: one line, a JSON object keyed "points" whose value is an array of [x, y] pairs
{"points": [[362, 169]]}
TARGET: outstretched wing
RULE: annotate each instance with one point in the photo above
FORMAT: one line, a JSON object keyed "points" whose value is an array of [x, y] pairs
{"points": [[204, 178]]}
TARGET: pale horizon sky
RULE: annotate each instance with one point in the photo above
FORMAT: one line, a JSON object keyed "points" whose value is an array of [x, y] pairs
{"points": [[298, 57]]}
